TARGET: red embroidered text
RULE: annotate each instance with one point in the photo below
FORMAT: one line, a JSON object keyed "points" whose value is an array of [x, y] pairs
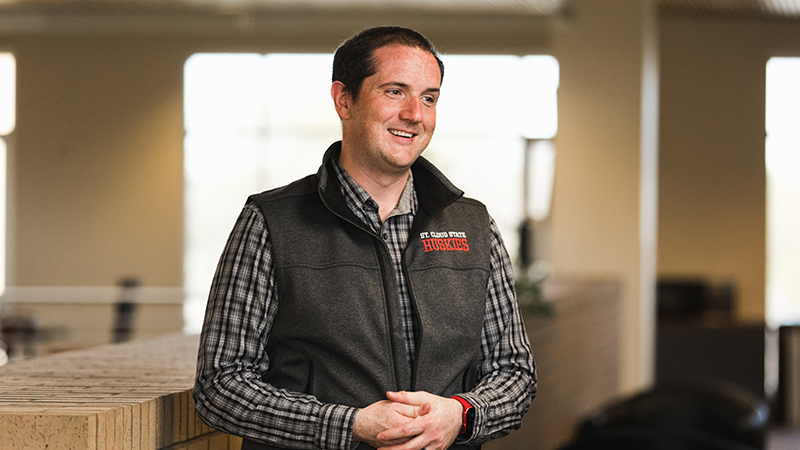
{"points": [[447, 244]]}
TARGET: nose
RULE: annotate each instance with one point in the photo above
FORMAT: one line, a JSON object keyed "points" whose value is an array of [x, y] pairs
{"points": [[412, 110]]}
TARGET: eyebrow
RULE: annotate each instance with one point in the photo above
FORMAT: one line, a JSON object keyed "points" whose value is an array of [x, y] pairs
{"points": [[406, 86]]}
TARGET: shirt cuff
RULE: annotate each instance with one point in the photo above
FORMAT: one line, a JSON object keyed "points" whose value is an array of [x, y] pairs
{"points": [[335, 427], [481, 408]]}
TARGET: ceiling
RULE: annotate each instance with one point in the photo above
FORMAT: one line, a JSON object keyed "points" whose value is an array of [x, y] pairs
{"points": [[771, 9], [766, 9]]}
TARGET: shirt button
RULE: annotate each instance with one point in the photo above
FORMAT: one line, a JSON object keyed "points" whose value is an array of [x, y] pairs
{"points": [[385, 236]]}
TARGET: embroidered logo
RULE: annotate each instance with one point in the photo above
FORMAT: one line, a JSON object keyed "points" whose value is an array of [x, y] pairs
{"points": [[447, 241]]}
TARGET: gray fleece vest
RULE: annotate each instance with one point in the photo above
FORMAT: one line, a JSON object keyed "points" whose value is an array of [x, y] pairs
{"points": [[338, 333]]}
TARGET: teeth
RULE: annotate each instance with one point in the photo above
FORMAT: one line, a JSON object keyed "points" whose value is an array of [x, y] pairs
{"points": [[401, 133]]}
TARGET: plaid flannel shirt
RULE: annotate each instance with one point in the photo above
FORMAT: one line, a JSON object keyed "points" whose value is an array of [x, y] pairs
{"points": [[230, 395]]}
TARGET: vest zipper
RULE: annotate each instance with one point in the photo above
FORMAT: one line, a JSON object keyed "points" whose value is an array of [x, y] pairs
{"points": [[386, 290], [377, 240], [417, 322]]}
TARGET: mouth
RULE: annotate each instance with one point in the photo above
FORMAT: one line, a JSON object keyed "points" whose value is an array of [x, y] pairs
{"points": [[402, 134]]}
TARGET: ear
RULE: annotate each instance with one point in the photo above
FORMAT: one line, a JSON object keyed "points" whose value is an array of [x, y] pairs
{"points": [[341, 100]]}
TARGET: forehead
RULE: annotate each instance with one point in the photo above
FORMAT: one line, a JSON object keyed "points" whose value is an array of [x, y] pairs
{"points": [[410, 63]]}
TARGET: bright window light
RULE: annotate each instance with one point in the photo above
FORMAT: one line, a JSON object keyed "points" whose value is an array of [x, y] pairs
{"points": [[8, 90], [3, 153], [783, 190], [8, 119], [254, 122]]}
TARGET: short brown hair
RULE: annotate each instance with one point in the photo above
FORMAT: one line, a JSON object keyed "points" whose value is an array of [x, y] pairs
{"points": [[354, 60]]}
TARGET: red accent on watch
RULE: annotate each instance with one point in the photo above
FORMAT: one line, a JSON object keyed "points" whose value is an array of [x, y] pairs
{"points": [[467, 407]]}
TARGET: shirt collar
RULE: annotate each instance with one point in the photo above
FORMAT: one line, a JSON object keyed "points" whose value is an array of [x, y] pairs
{"points": [[357, 197], [408, 199]]}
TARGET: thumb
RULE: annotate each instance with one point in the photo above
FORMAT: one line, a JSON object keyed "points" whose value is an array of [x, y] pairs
{"points": [[420, 400], [425, 409], [401, 397]]}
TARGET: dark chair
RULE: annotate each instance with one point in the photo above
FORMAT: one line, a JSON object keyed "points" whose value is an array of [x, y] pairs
{"points": [[709, 415], [656, 438]]}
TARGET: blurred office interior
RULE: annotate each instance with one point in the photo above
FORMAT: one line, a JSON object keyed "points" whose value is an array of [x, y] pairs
{"points": [[650, 266]]}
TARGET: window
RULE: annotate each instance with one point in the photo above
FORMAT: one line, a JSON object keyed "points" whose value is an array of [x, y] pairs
{"points": [[783, 190], [8, 85], [255, 122]]}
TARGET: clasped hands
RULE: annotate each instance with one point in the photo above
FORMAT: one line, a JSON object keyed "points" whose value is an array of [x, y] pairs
{"points": [[409, 421]]}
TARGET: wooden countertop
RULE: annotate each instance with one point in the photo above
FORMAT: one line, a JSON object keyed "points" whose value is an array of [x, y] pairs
{"points": [[134, 396]]}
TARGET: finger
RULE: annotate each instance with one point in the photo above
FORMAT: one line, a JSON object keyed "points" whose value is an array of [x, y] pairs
{"points": [[424, 409], [412, 411], [394, 442], [399, 396], [405, 431], [411, 398], [408, 410], [413, 444], [393, 434]]}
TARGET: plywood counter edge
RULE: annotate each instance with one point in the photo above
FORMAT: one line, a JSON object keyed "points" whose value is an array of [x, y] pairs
{"points": [[135, 395]]}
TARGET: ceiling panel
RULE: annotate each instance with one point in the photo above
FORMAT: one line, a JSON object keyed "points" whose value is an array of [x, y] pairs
{"points": [[528, 7], [692, 8], [789, 9]]}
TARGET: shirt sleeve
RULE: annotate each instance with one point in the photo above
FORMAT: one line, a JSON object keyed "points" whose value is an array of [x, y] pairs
{"points": [[507, 375], [228, 393]]}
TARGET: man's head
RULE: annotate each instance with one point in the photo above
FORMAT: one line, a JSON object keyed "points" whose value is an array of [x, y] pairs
{"points": [[389, 120], [355, 58]]}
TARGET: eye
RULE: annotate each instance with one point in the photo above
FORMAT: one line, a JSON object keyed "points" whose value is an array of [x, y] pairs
{"points": [[429, 99], [393, 91]]}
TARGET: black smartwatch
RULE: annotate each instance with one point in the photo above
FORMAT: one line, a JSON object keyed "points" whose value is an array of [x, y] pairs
{"points": [[467, 418]]}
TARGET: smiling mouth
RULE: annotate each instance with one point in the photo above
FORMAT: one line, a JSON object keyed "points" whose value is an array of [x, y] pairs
{"points": [[403, 134]]}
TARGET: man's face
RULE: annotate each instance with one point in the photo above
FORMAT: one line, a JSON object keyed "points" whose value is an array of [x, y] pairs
{"points": [[392, 121]]}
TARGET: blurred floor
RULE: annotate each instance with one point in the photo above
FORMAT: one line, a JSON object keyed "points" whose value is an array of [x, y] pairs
{"points": [[783, 439]]}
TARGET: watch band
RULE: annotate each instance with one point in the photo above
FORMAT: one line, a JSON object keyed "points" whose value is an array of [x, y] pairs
{"points": [[467, 417]]}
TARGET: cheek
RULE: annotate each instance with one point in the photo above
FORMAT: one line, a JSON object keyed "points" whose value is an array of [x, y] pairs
{"points": [[379, 116], [430, 120]]}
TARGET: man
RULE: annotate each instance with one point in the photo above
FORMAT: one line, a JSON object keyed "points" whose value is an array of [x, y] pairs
{"points": [[369, 305]]}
